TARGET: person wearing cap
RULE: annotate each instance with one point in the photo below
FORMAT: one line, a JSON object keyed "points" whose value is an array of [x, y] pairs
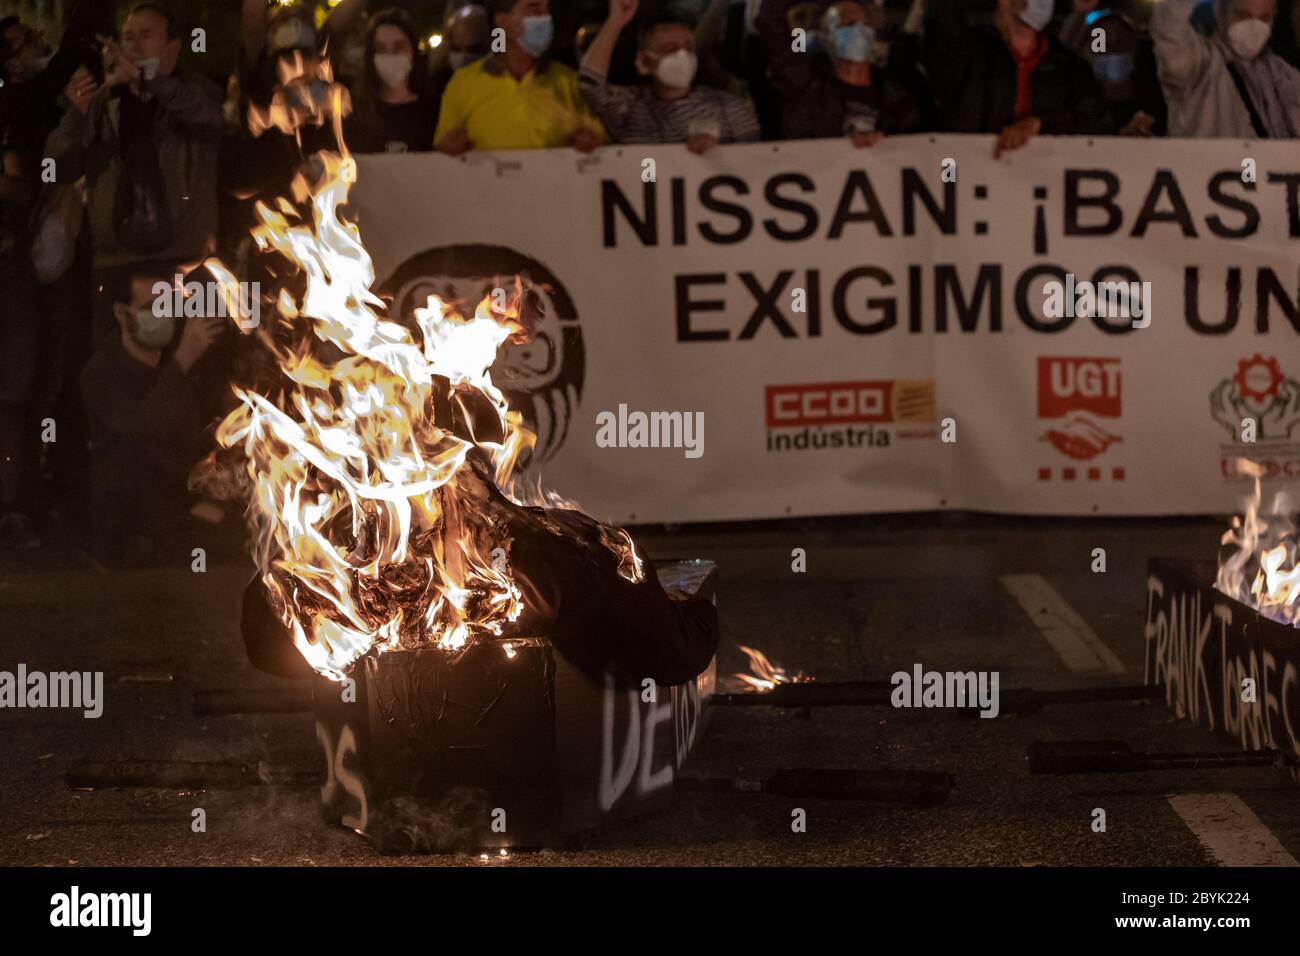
{"points": [[1230, 84], [517, 97], [1015, 81], [670, 108], [834, 88]]}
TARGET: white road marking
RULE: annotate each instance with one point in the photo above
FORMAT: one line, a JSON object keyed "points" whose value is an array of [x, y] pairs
{"points": [[1070, 636], [1229, 830]]}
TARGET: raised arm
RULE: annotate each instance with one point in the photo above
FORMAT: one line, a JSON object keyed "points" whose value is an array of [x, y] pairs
{"points": [[1181, 52], [67, 142], [621, 13], [609, 103], [191, 103]]}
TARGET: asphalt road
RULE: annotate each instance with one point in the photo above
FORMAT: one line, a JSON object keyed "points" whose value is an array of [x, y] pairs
{"points": [[879, 595]]}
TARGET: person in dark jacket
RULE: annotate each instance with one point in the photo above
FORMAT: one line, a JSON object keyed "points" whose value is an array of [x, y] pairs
{"points": [[839, 91], [146, 140], [151, 392], [39, 336], [1016, 81], [1124, 63]]}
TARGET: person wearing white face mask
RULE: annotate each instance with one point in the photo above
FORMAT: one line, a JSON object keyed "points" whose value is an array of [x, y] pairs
{"points": [[150, 391], [669, 108], [391, 112], [1230, 84]]}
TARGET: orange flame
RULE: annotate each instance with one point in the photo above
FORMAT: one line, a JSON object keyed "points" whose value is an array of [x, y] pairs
{"points": [[369, 464], [766, 675], [370, 467], [1263, 568]]}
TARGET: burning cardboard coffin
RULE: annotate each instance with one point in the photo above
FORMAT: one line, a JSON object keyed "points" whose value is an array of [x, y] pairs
{"points": [[480, 637], [507, 745], [1223, 642]]}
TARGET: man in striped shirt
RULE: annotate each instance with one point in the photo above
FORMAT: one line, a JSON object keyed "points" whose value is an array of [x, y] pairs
{"points": [[668, 109]]}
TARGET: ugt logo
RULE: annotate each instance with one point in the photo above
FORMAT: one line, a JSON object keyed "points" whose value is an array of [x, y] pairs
{"points": [[1075, 393]]}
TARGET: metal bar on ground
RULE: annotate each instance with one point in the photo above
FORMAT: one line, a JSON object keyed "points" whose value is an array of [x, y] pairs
{"points": [[878, 693], [182, 775], [916, 787], [1026, 700], [1115, 756]]}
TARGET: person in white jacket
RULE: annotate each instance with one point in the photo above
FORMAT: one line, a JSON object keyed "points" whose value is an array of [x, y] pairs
{"points": [[1230, 84]]}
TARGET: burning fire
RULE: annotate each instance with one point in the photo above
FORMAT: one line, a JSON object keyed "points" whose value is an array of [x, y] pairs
{"points": [[370, 462], [1263, 567], [306, 95], [766, 675]]}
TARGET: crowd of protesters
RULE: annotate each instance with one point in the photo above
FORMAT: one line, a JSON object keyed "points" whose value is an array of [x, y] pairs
{"points": [[122, 170]]}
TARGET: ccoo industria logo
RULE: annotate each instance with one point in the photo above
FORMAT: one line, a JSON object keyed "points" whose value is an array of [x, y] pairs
{"points": [[1261, 393], [542, 377], [869, 414], [1079, 400]]}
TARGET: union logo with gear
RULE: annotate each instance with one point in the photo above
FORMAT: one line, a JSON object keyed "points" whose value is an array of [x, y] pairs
{"points": [[1261, 391]]}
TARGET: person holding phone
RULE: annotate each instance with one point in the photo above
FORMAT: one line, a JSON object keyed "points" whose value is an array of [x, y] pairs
{"points": [[146, 140]]}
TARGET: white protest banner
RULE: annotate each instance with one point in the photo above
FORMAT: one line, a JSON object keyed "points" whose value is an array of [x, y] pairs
{"points": [[1084, 326]]}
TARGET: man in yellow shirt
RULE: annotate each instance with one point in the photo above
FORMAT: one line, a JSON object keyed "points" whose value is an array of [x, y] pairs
{"points": [[516, 98]]}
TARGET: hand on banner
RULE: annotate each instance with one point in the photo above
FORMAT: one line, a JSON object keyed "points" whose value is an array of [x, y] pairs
{"points": [[585, 140], [455, 143], [863, 139], [1017, 135], [1139, 125], [701, 143]]}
